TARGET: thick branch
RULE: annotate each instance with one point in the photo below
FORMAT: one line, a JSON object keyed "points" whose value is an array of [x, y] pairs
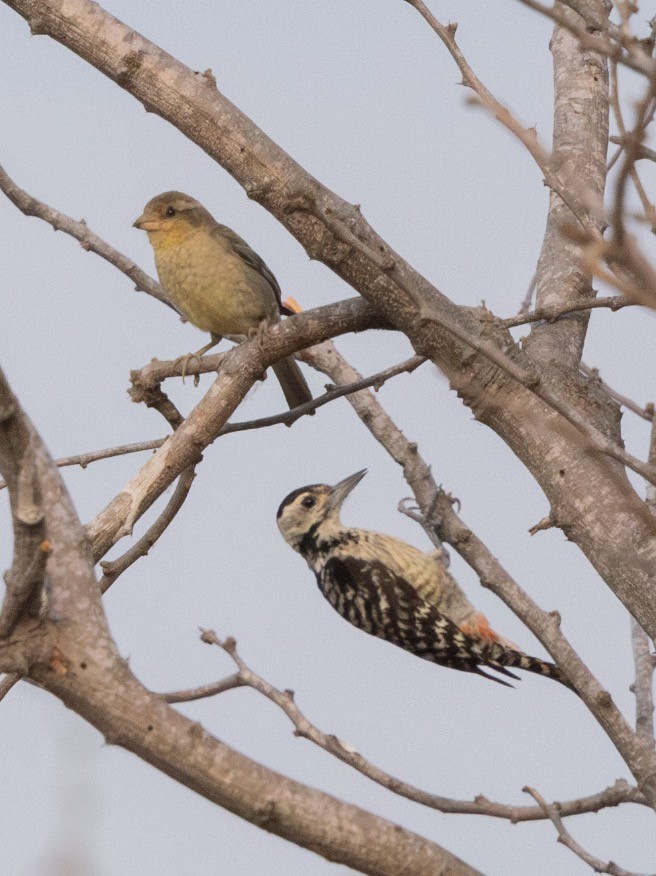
{"points": [[18, 466], [619, 793], [73, 656], [106, 694], [580, 141]]}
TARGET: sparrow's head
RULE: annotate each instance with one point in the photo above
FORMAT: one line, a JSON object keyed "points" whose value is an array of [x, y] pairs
{"points": [[172, 215]]}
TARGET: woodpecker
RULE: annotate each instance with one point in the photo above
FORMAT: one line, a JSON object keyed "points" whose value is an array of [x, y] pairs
{"points": [[394, 591]]}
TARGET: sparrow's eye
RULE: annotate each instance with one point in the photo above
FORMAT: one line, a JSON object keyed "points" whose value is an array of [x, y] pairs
{"points": [[309, 502], [170, 211]]}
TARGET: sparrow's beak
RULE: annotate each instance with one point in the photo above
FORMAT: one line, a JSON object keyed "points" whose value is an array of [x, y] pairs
{"points": [[145, 224], [343, 488]]}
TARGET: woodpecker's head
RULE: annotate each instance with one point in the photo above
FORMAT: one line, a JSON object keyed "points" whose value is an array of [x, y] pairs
{"points": [[306, 511]]}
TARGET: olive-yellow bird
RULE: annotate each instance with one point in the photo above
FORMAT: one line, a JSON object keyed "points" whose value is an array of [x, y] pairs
{"points": [[215, 280]]}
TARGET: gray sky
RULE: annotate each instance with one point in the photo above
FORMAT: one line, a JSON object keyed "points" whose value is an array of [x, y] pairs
{"points": [[366, 98]]}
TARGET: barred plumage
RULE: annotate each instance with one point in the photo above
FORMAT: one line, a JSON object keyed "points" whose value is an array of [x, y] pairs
{"points": [[393, 591]]}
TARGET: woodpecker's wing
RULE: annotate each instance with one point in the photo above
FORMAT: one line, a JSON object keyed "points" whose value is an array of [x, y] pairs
{"points": [[372, 597], [254, 261]]}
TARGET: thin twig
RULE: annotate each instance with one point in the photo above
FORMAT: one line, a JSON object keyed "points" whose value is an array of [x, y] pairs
{"points": [[89, 241], [85, 459], [631, 148], [156, 371], [207, 690], [646, 413], [625, 50], [619, 793], [112, 569], [525, 306], [643, 151], [564, 837], [613, 302], [566, 190], [202, 367]]}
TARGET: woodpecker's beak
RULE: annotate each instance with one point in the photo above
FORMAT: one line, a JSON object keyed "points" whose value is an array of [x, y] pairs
{"points": [[342, 489], [145, 224]]}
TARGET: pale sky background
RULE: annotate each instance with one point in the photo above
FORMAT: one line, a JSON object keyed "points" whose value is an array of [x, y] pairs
{"points": [[366, 98]]}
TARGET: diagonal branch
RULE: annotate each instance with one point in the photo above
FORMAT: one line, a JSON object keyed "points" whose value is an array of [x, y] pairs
{"points": [[527, 136], [567, 840], [112, 570], [285, 700], [89, 241]]}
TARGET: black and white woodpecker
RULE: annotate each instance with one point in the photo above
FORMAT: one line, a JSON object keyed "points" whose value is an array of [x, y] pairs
{"points": [[394, 591]]}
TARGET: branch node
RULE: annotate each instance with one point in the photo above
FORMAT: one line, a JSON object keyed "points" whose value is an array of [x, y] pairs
{"points": [[209, 637], [8, 410], [209, 77], [58, 662], [546, 523], [604, 699]]}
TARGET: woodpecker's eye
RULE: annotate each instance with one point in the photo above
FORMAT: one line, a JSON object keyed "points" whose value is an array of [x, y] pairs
{"points": [[309, 502], [170, 211]]}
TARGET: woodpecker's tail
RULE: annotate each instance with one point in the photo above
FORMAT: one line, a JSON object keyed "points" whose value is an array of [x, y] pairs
{"points": [[293, 384], [497, 657]]}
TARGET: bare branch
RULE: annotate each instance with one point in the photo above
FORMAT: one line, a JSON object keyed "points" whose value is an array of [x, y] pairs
{"points": [[241, 368], [157, 371], [19, 467], [613, 302], [643, 151], [632, 142], [111, 699], [285, 700], [89, 241], [567, 840], [85, 459], [207, 690], [526, 136], [112, 570], [645, 413]]}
